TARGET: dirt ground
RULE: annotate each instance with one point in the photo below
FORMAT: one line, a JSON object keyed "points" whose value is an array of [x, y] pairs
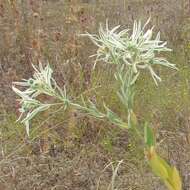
{"points": [[69, 151]]}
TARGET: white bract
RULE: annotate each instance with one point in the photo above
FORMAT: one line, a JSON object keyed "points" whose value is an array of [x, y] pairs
{"points": [[138, 49], [130, 52], [42, 82]]}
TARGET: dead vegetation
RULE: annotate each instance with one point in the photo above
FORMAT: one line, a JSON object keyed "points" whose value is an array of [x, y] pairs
{"points": [[70, 151]]}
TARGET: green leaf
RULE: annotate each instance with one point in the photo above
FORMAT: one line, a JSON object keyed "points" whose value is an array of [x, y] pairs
{"points": [[161, 168], [149, 136], [132, 119], [166, 165], [169, 186], [115, 119], [157, 165], [176, 180], [32, 114]]}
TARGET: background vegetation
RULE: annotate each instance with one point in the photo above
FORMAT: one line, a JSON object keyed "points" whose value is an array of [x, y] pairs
{"points": [[70, 151]]}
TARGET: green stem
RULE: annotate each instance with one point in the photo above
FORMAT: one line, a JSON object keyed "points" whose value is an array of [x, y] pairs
{"points": [[138, 133]]}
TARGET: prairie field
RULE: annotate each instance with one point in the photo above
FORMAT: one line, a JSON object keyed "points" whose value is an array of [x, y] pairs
{"points": [[67, 149]]}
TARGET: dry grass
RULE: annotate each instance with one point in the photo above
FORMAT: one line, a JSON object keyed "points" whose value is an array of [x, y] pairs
{"points": [[70, 151]]}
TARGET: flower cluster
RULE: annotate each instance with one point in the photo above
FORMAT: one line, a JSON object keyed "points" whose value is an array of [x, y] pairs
{"points": [[137, 49], [42, 82]]}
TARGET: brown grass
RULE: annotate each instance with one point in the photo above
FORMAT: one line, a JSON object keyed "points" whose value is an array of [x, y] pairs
{"points": [[69, 151]]}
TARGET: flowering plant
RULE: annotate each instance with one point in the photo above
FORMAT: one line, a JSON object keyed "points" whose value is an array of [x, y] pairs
{"points": [[131, 53]]}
